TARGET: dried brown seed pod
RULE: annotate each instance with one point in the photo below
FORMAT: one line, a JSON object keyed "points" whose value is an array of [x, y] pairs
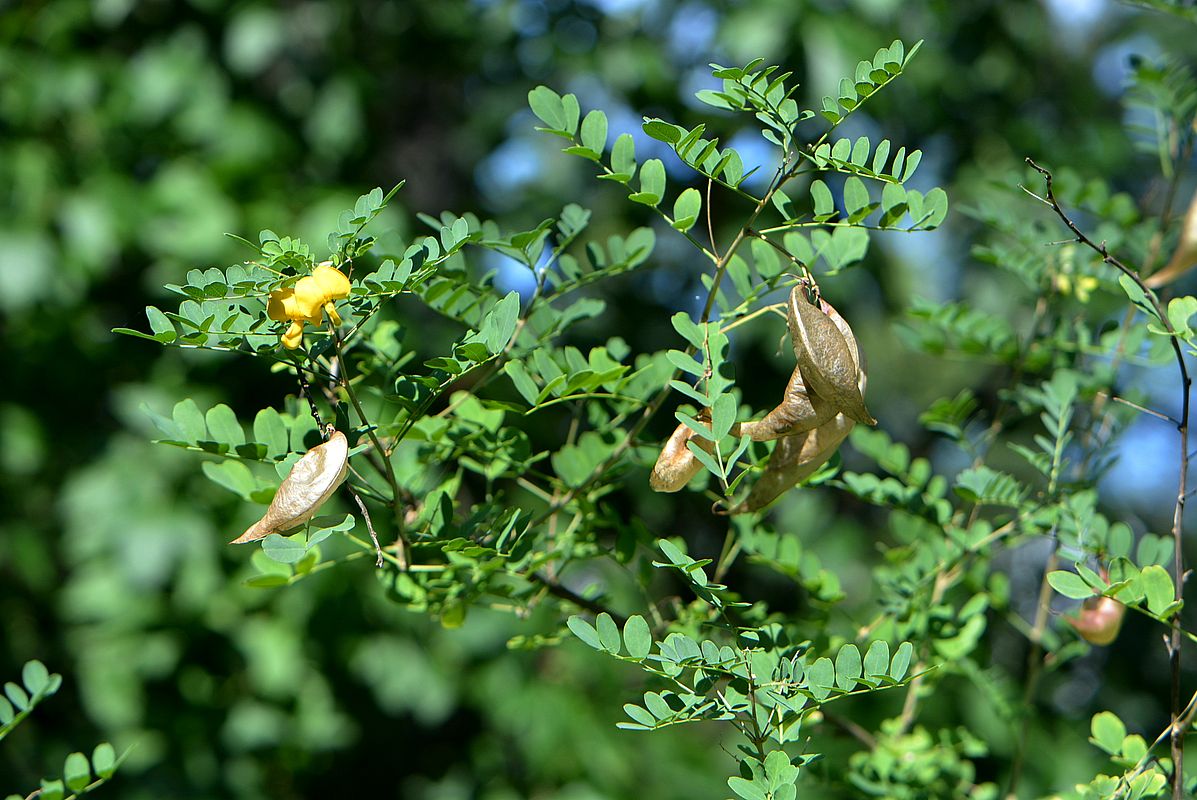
{"points": [[1185, 257], [676, 465], [798, 412], [797, 457], [794, 459], [830, 366], [310, 483]]}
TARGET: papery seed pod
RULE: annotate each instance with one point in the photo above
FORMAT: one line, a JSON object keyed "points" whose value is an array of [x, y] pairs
{"points": [[676, 465], [828, 364], [798, 412], [797, 457], [794, 459], [858, 358], [1099, 621], [310, 483], [1185, 256]]}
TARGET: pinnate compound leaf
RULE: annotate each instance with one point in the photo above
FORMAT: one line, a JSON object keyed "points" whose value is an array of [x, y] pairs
{"points": [[847, 667], [686, 209], [1108, 731], [584, 631], [223, 425], [51, 790], [546, 104], [17, 696], [190, 421], [232, 475], [623, 158], [876, 660], [1137, 296], [594, 131], [821, 678], [640, 715], [652, 183], [499, 323], [35, 676], [746, 789], [285, 549], [1157, 587]]}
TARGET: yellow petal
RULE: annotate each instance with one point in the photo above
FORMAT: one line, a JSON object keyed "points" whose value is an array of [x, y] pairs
{"points": [[331, 310], [293, 338], [281, 305], [310, 483], [308, 299], [332, 282]]}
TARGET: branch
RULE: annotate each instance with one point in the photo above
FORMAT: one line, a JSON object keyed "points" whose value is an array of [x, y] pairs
{"points": [[1176, 730], [392, 480], [567, 594]]}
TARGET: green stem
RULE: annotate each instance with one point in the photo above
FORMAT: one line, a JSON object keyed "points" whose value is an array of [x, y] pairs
{"points": [[396, 492]]}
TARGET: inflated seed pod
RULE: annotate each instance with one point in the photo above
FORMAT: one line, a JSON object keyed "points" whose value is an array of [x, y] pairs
{"points": [[676, 465], [797, 457], [1185, 256], [310, 483], [794, 459], [799, 411], [829, 366], [1100, 620]]}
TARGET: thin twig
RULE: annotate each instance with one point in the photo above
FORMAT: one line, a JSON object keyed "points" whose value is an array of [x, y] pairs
{"points": [[1144, 409], [369, 525], [851, 728], [392, 480], [565, 593]]}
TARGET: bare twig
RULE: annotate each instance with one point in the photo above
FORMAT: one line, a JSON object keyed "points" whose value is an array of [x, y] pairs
{"points": [[369, 524], [1144, 409], [565, 593]]}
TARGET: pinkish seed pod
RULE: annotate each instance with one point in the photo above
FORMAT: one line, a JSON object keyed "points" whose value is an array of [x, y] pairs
{"points": [[1099, 621]]}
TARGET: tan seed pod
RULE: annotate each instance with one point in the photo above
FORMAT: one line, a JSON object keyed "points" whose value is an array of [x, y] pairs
{"points": [[794, 459], [310, 483], [1185, 257], [797, 457], [676, 465], [798, 412], [825, 358]]}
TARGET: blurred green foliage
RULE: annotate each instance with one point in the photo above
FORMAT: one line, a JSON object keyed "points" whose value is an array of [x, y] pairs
{"points": [[136, 134]]}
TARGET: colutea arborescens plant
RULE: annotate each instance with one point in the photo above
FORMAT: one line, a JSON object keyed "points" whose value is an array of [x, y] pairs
{"points": [[502, 466]]}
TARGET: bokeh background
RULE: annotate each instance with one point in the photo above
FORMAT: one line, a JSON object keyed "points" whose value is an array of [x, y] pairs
{"points": [[135, 133]]}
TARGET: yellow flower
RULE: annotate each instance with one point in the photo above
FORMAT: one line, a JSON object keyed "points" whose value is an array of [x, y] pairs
{"points": [[307, 301]]}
